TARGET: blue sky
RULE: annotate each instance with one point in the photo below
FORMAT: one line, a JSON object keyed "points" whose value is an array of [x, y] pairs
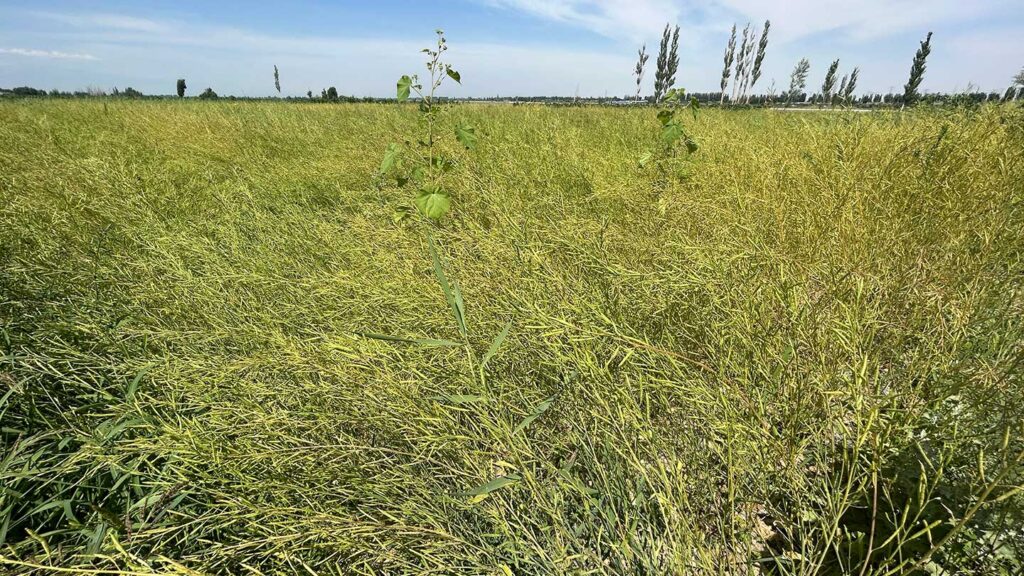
{"points": [[501, 47]]}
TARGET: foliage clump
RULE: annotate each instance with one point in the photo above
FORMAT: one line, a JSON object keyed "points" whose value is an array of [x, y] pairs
{"points": [[421, 161]]}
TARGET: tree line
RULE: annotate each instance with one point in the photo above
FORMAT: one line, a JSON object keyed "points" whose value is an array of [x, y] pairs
{"points": [[742, 67], [741, 71]]}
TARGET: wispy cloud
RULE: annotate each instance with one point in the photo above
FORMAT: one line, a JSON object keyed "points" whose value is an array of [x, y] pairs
{"points": [[46, 54], [633, 20], [105, 21], [791, 20], [865, 19]]}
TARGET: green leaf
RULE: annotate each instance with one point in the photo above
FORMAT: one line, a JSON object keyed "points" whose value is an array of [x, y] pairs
{"points": [[466, 135], [495, 345], [433, 202], [691, 145], [390, 158], [454, 75], [540, 409], [671, 133], [454, 298], [694, 106], [401, 214], [134, 385], [496, 484], [404, 84], [665, 116], [787, 353], [460, 307], [443, 163]]}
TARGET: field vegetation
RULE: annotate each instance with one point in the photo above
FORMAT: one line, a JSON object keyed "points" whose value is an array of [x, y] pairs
{"points": [[795, 349]]}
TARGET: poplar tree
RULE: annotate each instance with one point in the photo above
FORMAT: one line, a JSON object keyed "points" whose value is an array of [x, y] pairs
{"points": [[830, 82], [850, 86], [277, 80], [762, 47], [639, 70], [668, 62], [910, 93], [798, 79], [181, 87], [730, 54], [741, 61]]}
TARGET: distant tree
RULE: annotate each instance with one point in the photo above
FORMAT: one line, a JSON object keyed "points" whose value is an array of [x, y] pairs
{"points": [[28, 91], [771, 92], [277, 80], [830, 82], [668, 63], [208, 94], [1015, 88], [642, 57], [798, 79], [181, 87], [131, 93], [848, 87], [730, 54], [910, 93], [762, 47], [332, 94], [842, 90], [309, 94]]}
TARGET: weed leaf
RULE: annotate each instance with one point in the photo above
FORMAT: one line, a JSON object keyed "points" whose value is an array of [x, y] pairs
{"points": [[390, 158], [454, 298], [433, 202], [466, 135], [130, 393], [404, 85], [671, 133], [540, 409], [496, 484], [495, 345], [460, 309]]}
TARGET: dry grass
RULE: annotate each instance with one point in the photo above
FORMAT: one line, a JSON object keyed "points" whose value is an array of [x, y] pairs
{"points": [[794, 355]]}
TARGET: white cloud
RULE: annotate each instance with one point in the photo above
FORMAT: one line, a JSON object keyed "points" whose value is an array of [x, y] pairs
{"points": [[791, 20], [105, 21], [864, 19], [237, 61], [150, 54], [634, 19], [46, 54]]}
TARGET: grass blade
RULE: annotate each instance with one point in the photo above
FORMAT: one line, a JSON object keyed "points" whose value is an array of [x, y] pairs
{"points": [[454, 298], [496, 344], [540, 409], [495, 484]]}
